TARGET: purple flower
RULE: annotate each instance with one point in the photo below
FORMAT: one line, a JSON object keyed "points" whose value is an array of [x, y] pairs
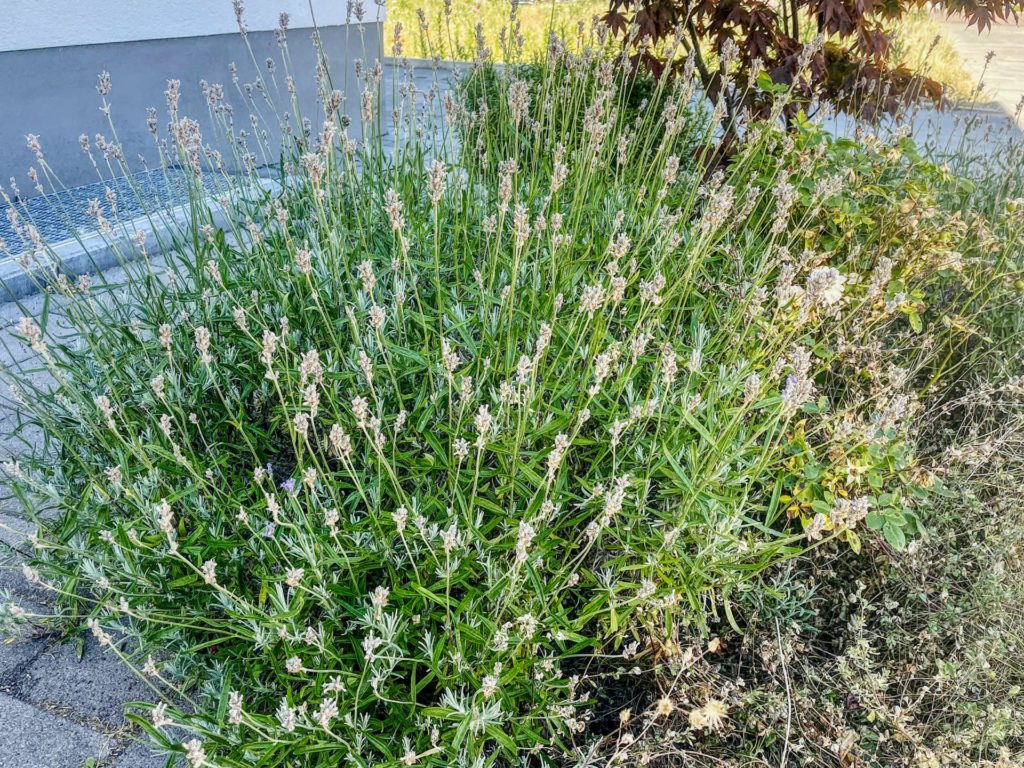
{"points": [[288, 485]]}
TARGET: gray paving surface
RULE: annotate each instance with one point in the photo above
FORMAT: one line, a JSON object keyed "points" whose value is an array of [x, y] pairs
{"points": [[64, 696], [58, 212], [1003, 75], [88, 681], [61, 698], [32, 738]]}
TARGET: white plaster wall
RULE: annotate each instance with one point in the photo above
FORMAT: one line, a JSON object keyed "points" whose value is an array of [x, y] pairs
{"points": [[28, 24]]}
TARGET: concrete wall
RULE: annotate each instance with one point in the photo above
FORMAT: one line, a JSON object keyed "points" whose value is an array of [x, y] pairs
{"points": [[52, 91], [51, 23]]}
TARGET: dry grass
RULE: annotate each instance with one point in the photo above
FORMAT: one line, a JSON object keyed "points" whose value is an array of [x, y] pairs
{"points": [[456, 34]]}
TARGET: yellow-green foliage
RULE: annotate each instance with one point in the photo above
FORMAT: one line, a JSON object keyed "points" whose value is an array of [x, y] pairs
{"points": [[454, 35], [922, 45]]}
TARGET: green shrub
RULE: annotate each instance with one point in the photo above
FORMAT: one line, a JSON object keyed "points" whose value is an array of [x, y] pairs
{"points": [[912, 659], [403, 459]]}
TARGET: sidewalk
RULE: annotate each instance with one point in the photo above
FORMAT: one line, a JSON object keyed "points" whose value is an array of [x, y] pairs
{"points": [[61, 698], [1003, 75]]}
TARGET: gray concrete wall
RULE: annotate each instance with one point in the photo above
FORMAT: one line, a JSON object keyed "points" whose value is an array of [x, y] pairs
{"points": [[51, 92]]}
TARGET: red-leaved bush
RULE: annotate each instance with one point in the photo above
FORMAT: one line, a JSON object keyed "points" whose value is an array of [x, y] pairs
{"points": [[849, 66]]}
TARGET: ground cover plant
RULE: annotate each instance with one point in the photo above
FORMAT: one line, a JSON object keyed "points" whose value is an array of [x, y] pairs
{"points": [[445, 454]]}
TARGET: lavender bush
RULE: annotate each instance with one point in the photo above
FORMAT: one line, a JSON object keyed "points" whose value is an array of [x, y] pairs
{"points": [[410, 455]]}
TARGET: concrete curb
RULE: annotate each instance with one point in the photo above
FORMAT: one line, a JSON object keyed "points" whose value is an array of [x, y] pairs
{"points": [[446, 65], [96, 252]]}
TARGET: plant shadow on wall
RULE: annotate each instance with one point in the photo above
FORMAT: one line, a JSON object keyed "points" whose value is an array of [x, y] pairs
{"points": [[450, 453]]}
